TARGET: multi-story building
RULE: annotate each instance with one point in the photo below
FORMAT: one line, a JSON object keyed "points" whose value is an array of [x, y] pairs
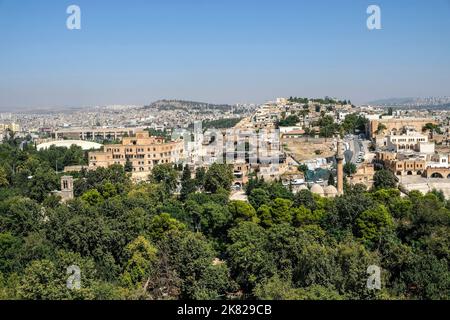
{"points": [[142, 150], [411, 141], [266, 116], [394, 125], [403, 164], [11, 126], [439, 166], [94, 134]]}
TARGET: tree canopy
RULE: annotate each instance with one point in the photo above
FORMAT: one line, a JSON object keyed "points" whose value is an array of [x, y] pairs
{"points": [[149, 241]]}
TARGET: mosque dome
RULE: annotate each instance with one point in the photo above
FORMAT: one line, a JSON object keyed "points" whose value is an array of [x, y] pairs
{"points": [[317, 189], [330, 191]]}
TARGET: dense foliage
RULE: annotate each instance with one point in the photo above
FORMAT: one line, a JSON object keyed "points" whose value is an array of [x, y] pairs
{"points": [[145, 241]]}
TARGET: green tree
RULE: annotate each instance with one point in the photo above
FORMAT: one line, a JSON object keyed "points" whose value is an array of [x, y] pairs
{"points": [[128, 166], [163, 223], [425, 277], [218, 176], [372, 223], [20, 216], [9, 248], [214, 283], [432, 128], [265, 216], [331, 180], [92, 197], [303, 168], [200, 174], [384, 179], [142, 259], [327, 126], [381, 128], [242, 211], [353, 123], [41, 183], [303, 216], [215, 218], [277, 288], [192, 257], [305, 198], [258, 197], [47, 280], [166, 175], [349, 168], [281, 210], [187, 183], [248, 259], [289, 121], [3, 178]]}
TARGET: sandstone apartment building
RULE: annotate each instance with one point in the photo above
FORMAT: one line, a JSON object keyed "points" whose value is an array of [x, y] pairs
{"points": [[142, 150]]}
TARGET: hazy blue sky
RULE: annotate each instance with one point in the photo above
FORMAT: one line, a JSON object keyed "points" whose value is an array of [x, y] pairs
{"points": [[134, 52]]}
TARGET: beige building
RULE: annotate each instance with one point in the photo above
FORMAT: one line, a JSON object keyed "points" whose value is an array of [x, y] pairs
{"points": [[13, 127], [142, 150], [395, 125], [67, 189], [403, 164], [94, 133], [241, 170], [413, 141], [363, 175]]}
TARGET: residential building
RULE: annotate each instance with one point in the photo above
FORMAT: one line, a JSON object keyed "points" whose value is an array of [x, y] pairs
{"points": [[142, 150]]}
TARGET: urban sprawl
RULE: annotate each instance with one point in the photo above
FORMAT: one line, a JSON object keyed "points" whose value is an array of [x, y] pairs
{"points": [[315, 144]]}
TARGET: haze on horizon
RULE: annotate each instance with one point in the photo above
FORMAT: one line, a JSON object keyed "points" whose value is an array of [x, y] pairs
{"points": [[136, 52]]}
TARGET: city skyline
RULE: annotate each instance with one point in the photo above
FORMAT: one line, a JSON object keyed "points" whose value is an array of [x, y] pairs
{"points": [[138, 52]]}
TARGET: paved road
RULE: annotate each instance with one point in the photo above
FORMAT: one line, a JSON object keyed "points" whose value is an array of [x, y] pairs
{"points": [[351, 155]]}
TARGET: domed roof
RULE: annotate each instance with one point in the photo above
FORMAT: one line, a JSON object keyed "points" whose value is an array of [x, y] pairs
{"points": [[330, 191], [317, 189]]}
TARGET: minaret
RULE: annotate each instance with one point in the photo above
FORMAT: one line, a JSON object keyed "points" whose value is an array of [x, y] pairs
{"points": [[340, 168]]}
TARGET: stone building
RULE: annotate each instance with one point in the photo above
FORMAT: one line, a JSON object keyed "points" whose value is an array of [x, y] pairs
{"points": [[395, 125], [66, 192], [403, 164], [412, 141], [142, 151], [363, 175]]}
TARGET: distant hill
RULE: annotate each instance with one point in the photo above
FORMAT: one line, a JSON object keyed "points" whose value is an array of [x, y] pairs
{"points": [[190, 106], [392, 101], [40, 110], [428, 102]]}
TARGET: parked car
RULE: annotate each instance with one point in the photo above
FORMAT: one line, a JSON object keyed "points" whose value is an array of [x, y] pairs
{"points": [[298, 181]]}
